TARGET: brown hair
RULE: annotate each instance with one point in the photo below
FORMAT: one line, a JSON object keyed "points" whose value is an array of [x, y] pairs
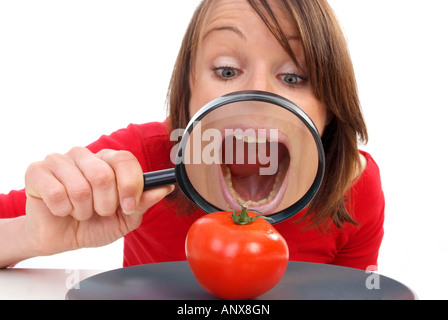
{"points": [[332, 78]]}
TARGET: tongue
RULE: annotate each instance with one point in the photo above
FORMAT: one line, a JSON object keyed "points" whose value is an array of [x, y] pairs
{"points": [[247, 181], [246, 178], [253, 187]]}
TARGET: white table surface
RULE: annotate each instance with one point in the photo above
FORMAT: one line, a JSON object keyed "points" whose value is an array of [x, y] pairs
{"points": [[39, 284]]}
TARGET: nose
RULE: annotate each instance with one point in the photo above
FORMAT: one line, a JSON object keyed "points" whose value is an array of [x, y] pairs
{"points": [[262, 80]]}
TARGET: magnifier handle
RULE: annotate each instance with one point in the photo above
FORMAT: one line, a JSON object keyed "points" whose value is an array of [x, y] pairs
{"points": [[159, 179]]}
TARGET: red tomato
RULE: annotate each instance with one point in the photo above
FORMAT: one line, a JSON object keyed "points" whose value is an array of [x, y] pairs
{"points": [[234, 261]]}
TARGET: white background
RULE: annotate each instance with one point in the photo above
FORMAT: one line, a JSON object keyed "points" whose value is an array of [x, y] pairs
{"points": [[71, 71]]}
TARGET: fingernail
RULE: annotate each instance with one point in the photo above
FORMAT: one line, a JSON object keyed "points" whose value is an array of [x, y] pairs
{"points": [[170, 189], [128, 205]]}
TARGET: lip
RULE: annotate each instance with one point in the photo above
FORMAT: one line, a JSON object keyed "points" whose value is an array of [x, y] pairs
{"points": [[271, 206]]}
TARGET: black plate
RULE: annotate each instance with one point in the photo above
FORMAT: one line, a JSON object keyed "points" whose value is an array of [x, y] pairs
{"points": [[175, 281]]}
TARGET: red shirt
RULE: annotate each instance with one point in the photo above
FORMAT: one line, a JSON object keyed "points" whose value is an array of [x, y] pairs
{"points": [[161, 236]]}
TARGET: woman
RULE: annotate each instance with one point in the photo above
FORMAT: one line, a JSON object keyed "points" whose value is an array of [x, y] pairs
{"points": [[92, 196]]}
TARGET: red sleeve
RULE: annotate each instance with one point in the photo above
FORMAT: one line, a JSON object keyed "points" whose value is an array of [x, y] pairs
{"points": [[361, 244], [12, 205], [123, 139], [139, 140]]}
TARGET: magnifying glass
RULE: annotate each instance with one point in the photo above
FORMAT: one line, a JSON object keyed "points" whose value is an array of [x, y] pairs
{"points": [[249, 147]]}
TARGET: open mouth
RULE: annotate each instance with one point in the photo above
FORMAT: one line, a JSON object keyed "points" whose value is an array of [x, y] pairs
{"points": [[255, 173]]}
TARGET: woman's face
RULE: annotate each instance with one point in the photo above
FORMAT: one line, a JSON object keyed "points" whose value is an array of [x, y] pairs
{"points": [[236, 52]]}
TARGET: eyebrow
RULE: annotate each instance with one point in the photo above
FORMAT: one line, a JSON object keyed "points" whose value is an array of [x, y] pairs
{"points": [[226, 28]]}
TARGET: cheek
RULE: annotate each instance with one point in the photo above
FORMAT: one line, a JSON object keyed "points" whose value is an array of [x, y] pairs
{"points": [[318, 114], [316, 110], [197, 101], [313, 108], [203, 90], [201, 94]]}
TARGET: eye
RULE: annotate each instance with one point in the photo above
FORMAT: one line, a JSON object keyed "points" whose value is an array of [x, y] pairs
{"points": [[292, 79], [227, 73]]}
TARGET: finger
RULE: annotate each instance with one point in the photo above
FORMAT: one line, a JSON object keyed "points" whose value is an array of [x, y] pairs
{"points": [[129, 178], [101, 178], [153, 196], [41, 183], [77, 187], [148, 199]]}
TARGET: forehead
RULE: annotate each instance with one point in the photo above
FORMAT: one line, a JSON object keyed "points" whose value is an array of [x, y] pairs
{"points": [[227, 10], [240, 12]]}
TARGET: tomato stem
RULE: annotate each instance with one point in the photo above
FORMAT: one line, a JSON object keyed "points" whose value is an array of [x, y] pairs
{"points": [[243, 218]]}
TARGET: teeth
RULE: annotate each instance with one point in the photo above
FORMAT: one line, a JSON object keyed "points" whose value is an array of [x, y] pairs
{"points": [[276, 187]]}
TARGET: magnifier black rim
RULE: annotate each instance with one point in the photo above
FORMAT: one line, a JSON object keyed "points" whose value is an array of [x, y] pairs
{"points": [[262, 96]]}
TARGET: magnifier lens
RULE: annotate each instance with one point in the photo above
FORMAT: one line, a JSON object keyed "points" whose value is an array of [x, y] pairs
{"points": [[251, 152]]}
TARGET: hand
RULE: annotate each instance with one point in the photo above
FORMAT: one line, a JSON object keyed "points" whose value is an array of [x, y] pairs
{"points": [[82, 199]]}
